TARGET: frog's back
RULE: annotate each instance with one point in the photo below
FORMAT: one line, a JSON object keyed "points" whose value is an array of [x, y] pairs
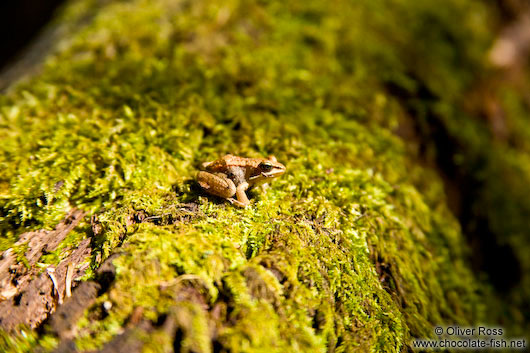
{"points": [[236, 161], [222, 164], [218, 165]]}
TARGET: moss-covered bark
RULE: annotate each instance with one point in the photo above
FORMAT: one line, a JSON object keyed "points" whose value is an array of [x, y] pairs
{"points": [[354, 248]]}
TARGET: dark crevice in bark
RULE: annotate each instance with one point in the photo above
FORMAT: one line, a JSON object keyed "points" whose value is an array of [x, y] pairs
{"points": [[463, 187]]}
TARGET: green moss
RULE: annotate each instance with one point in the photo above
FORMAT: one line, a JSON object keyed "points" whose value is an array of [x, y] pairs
{"points": [[353, 248]]}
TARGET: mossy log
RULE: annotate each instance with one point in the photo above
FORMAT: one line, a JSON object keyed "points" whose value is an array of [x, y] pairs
{"points": [[357, 247]]}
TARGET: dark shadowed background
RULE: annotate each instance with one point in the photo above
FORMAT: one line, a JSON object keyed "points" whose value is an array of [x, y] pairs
{"points": [[20, 21]]}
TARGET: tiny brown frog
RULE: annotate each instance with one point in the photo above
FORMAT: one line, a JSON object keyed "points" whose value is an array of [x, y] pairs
{"points": [[231, 176]]}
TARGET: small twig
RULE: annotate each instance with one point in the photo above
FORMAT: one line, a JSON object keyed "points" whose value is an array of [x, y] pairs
{"points": [[69, 275], [135, 317], [359, 218], [155, 217], [51, 271], [175, 281]]}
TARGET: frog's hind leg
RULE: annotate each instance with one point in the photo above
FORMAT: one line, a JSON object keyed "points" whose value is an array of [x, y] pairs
{"points": [[219, 185], [216, 184]]}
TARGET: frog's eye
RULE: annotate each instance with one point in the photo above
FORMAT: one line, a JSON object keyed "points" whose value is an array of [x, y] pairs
{"points": [[266, 166]]}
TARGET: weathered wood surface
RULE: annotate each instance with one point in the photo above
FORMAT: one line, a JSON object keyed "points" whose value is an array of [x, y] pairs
{"points": [[28, 293]]}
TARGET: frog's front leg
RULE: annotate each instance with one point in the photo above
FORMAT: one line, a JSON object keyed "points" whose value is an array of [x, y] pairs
{"points": [[242, 199], [219, 185]]}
